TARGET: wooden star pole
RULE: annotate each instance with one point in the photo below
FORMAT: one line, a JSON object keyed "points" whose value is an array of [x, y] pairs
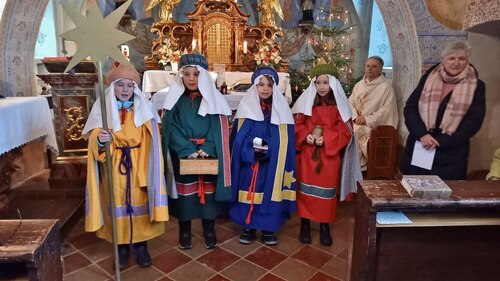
{"points": [[98, 38]]}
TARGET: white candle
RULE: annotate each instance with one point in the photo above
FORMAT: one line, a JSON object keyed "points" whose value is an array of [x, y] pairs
{"points": [[321, 36], [125, 51], [245, 50], [193, 45], [175, 66]]}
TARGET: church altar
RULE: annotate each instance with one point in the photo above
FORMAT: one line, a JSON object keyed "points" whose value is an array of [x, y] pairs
{"points": [[29, 118], [154, 81]]}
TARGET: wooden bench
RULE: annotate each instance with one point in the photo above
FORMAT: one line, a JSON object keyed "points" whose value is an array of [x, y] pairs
{"points": [[34, 243], [382, 149]]}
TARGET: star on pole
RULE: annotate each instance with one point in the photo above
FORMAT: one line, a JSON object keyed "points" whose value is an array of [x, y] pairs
{"points": [[95, 35]]}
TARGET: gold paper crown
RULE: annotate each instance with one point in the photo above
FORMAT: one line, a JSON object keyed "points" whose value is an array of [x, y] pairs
{"points": [[322, 67]]}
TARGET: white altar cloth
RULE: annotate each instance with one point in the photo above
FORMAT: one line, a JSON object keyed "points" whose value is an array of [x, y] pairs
{"points": [[156, 80], [25, 119], [233, 99]]}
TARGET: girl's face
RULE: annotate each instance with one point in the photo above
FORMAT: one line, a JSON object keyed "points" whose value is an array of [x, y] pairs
{"points": [[190, 75], [322, 85], [265, 87], [455, 62], [124, 89]]}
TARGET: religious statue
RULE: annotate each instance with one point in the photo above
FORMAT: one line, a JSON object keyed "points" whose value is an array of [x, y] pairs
{"points": [[267, 8], [307, 11], [166, 9]]}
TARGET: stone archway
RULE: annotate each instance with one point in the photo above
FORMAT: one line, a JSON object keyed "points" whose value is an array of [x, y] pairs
{"points": [[19, 29], [406, 58]]}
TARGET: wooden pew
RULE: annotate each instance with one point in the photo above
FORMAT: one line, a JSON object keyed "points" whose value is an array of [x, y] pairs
{"points": [[34, 243]]}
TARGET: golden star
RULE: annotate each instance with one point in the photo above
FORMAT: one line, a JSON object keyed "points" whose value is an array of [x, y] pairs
{"points": [[95, 35], [289, 179]]}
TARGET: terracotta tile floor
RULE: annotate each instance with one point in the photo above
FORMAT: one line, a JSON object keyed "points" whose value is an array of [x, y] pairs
{"points": [[89, 258]]}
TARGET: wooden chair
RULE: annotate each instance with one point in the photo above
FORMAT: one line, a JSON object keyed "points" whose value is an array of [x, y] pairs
{"points": [[382, 149]]}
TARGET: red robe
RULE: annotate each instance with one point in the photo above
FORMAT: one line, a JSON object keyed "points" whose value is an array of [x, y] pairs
{"points": [[317, 191]]}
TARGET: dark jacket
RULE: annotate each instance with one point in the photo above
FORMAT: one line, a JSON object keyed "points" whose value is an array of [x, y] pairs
{"points": [[450, 161]]}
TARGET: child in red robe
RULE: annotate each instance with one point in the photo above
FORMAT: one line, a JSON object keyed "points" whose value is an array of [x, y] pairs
{"points": [[325, 144]]}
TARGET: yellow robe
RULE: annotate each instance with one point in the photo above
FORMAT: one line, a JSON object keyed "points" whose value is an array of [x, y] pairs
{"points": [[148, 217]]}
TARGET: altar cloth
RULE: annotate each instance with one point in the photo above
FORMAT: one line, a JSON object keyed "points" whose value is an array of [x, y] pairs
{"points": [[24, 119], [156, 80]]}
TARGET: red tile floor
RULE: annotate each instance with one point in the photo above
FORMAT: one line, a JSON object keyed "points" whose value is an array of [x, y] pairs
{"points": [[89, 258]]}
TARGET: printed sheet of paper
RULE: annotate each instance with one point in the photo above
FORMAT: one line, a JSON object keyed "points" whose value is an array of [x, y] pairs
{"points": [[422, 157], [388, 217]]}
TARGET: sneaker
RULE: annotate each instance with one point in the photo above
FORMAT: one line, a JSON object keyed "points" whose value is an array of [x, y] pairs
{"points": [[209, 234], [123, 254], [143, 258], [247, 236], [185, 235], [269, 238]]}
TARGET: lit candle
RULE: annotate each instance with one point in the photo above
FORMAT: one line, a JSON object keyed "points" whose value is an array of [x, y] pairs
{"points": [[245, 45], [193, 45]]}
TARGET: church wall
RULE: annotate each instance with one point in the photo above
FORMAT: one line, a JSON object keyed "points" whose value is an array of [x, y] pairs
{"points": [[21, 19], [486, 58]]}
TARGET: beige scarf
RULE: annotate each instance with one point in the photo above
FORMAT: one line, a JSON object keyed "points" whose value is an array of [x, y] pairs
{"points": [[460, 101]]}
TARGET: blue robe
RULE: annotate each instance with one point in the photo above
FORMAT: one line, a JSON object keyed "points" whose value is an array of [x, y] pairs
{"points": [[274, 197]]}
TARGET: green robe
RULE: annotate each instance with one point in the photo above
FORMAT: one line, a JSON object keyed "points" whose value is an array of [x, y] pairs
{"points": [[181, 124]]}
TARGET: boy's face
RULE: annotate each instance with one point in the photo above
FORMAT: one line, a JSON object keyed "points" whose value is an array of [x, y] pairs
{"points": [[190, 75], [124, 89]]}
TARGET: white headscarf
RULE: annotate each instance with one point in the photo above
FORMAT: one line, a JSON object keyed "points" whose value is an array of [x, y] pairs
{"points": [[249, 106], [305, 102], [212, 100], [143, 111]]}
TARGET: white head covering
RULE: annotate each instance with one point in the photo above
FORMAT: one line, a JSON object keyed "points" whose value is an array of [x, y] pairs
{"points": [[143, 111], [249, 106], [212, 100], [305, 102]]}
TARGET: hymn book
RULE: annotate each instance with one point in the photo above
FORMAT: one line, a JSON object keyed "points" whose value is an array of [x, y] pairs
{"points": [[426, 186]]}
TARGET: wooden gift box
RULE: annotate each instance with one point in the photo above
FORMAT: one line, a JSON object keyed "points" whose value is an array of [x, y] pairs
{"points": [[199, 166]]}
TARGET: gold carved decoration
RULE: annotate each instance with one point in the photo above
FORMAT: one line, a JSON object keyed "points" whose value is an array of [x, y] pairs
{"points": [[166, 9], [219, 29], [75, 125], [267, 9]]}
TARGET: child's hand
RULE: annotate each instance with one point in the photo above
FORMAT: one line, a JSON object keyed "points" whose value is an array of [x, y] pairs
{"points": [[193, 155], [104, 136], [310, 139], [319, 141], [202, 153]]}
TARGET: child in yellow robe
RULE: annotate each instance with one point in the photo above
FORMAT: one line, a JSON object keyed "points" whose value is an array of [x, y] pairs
{"points": [[137, 168]]}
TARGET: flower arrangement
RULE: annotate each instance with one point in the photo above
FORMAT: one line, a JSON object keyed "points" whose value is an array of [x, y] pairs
{"points": [[269, 53], [167, 52]]}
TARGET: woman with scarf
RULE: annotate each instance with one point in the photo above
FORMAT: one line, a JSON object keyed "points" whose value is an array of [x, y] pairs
{"points": [[137, 168], [445, 110], [196, 126], [325, 148], [263, 160]]}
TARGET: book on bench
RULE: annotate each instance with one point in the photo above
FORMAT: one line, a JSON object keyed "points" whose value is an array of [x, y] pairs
{"points": [[425, 186]]}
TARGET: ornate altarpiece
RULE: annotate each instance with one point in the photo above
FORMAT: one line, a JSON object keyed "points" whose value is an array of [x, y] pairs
{"points": [[220, 30]]}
